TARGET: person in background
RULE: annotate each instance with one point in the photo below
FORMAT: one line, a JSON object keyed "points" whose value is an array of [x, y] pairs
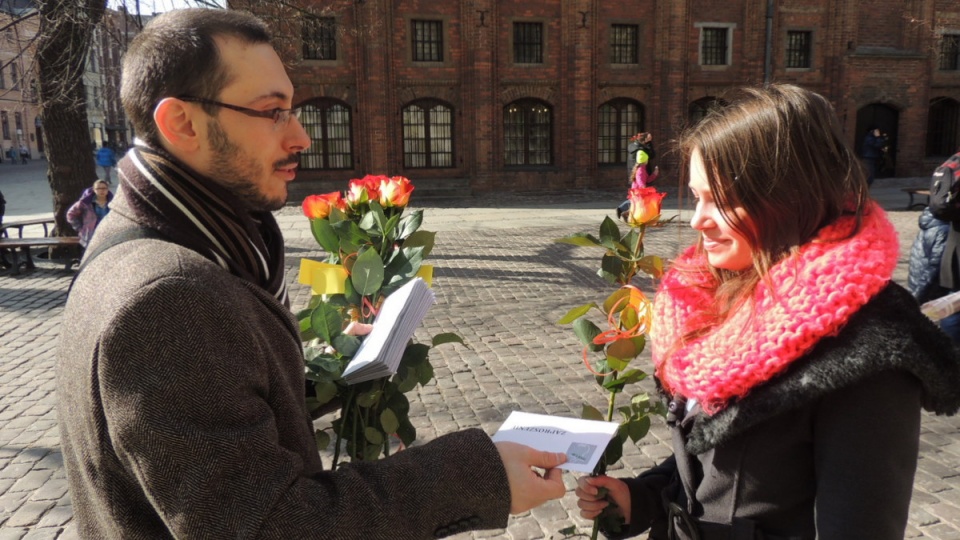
{"points": [[181, 385], [85, 214], [794, 369], [107, 160], [874, 146], [643, 172], [923, 279]]}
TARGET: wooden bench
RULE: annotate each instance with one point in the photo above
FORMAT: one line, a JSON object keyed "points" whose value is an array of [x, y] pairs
{"points": [[923, 192], [24, 245], [11, 245], [20, 224]]}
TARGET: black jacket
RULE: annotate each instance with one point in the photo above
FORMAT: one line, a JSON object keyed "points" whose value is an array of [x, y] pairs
{"points": [[806, 454]]}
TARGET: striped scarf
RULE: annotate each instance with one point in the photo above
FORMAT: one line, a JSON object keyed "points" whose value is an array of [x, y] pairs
{"points": [[197, 213]]}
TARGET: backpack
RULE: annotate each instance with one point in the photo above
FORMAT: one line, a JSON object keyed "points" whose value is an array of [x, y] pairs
{"points": [[945, 190]]}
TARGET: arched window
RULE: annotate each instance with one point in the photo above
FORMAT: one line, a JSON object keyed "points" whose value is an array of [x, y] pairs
{"points": [[427, 134], [329, 124], [527, 133], [619, 119], [943, 125], [701, 107]]}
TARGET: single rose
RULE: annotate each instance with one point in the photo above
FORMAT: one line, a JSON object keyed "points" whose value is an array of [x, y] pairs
{"points": [[644, 206], [395, 192], [363, 190], [319, 206]]}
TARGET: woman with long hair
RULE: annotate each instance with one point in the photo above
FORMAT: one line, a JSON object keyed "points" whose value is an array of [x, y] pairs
{"points": [[794, 369]]}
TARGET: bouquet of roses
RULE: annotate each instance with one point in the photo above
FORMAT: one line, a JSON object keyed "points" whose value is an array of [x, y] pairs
{"points": [[628, 315], [372, 250]]}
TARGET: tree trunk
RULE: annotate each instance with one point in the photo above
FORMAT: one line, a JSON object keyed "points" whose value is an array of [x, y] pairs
{"points": [[66, 28]]}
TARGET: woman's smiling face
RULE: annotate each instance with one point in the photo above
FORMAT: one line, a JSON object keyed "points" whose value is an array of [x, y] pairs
{"points": [[725, 247]]}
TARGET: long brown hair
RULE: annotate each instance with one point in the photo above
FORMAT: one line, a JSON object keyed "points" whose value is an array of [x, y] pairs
{"points": [[779, 153]]}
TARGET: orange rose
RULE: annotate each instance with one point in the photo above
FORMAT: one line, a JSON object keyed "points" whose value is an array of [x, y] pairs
{"points": [[319, 206], [644, 206], [395, 192], [363, 190]]}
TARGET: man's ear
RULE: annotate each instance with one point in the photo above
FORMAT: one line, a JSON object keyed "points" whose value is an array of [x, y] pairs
{"points": [[177, 124]]}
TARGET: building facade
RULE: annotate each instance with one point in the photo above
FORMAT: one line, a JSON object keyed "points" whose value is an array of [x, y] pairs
{"points": [[544, 95], [20, 123]]}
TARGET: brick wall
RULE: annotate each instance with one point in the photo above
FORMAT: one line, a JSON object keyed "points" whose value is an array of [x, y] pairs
{"points": [[884, 54]]}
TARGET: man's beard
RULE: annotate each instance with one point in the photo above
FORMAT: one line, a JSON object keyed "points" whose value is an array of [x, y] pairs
{"points": [[238, 172]]}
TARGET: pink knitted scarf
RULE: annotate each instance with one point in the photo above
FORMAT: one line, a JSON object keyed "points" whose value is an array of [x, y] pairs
{"points": [[816, 293]]}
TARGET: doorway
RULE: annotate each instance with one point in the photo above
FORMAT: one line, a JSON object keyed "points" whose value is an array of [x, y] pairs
{"points": [[887, 119]]}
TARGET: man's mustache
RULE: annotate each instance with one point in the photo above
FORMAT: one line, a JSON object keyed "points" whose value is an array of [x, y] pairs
{"points": [[294, 159]]}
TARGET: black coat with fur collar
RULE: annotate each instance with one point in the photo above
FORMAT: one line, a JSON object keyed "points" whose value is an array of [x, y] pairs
{"points": [[826, 450]]}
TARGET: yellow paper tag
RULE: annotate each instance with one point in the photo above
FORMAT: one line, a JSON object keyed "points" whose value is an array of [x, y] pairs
{"points": [[323, 278]]}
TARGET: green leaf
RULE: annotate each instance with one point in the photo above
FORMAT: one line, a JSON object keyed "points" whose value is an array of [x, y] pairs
{"points": [[322, 438], [580, 239], [409, 225], [409, 379], [400, 405], [324, 234], [373, 435], [637, 429], [568, 531], [613, 385], [368, 399], [447, 337], [351, 236], [615, 300], [403, 267], [424, 239], [367, 273], [379, 215], [609, 233], [425, 373], [325, 390], [586, 331], [616, 363], [415, 354], [623, 350], [632, 376], [388, 421], [389, 229], [576, 313], [346, 345], [406, 432], [591, 413], [651, 265], [629, 241], [306, 332], [326, 322], [610, 268]]}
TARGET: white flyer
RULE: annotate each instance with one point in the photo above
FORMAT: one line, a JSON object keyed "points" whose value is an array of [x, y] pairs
{"points": [[583, 441]]}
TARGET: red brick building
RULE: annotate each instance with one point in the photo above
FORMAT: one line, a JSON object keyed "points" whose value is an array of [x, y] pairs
{"points": [[543, 94]]}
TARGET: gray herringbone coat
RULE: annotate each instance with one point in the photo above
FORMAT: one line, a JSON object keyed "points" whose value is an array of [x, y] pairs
{"points": [[182, 415]]}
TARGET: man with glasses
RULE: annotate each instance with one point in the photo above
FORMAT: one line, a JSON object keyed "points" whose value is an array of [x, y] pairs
{"points": [[181, 383]]}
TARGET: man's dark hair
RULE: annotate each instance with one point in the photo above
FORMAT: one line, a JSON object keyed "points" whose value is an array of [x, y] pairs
{"points": [[176, 55]]}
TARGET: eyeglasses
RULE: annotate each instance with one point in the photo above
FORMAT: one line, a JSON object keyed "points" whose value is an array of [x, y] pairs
{"points": [[279, 116]]}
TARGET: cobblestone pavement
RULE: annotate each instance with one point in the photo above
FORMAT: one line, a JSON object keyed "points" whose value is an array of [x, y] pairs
{"points": [[502, 284]]}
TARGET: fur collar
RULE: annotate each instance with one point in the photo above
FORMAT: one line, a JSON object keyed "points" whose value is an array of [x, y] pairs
{"points": [[808, 297], [888, 333]]}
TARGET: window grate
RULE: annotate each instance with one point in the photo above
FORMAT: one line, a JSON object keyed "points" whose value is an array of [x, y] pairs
{"points": [[528, 43], [427, 135], [329, 125], [950, 52], [427, 41], [624, 44], [798, 49], [320, 38], [713, 50]]}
